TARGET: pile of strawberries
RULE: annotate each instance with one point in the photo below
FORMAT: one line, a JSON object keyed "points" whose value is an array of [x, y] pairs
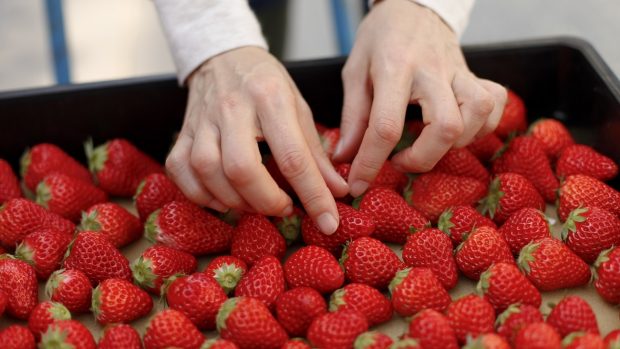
{"points": [[272, 279]]}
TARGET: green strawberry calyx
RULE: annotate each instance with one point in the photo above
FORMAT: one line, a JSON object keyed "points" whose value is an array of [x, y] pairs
{"points": [[408, 190], [512, 309], [143, 274], [89, 221], [365, 340], [568, 340], [97, 157], [485, 280], [614, 344], [345, 254], [225, 310], [490, 204], [55, 338], [602, 258], [44, 194], [59, 312], [398, 279], [444, 223], [25, 253], [290, 227], [574, 217], [53, 282], [151, 227], [24, 163], [139, 189], [526, 256], [337, 299], [405, 343], [228, 276], [95, 305], [167, 283]]}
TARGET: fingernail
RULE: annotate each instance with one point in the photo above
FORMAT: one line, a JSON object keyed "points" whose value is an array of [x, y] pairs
{"points": [[358, 188], [339, 147], [327, 223], [217, 205], [287, 211]]}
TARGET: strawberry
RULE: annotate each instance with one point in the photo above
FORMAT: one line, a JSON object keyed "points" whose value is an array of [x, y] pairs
{"points": [[118, 300], [274, 171], [553, 136], [45, 314], [218, 344], [264, 281], [538, 335], [583, 340], [461, 162], [18, 281], [94, 255], [393, 217], [482, 248], [159, 262], [487, 341], [119, 167], [484, 148], [227, 271], [584, 191], [513, 119], [296, 308], [67, 334], [290, 226], [524, 226], [296, 343], [365, 299], [120, 336], [369, 261], [514, 318], [154, 192], [503, 284], [44, 250], [590, 230], [338, 329], [16, 337], [329, 138], [415, 289], [607, 275], [114, 222], [432, 330], [187, 227], [44, 159], [9, 184], [508, 193], [248, 323], [431, 248], [582, 159], [198, 296], [171, 328], [471, 316], [256, 237], [68, 196], [71, 288], [314, 267], [373, 340], [388, 176], [572, 314], [612, 339], [353, 224], [550, 265], [458, 221], [3, 301]]}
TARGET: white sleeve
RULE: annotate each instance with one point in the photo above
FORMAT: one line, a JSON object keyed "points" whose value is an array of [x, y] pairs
{"points": [[200, 29]]}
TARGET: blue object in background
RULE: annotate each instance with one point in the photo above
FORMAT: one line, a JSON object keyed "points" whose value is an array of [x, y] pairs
{"points": [[57, 40], [343, 26]]}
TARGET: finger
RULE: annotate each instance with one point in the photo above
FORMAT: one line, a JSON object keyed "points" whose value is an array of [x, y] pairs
{"points": [[499, 94], [475, 104]]}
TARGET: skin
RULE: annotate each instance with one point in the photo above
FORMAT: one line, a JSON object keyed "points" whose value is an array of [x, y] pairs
{"points": [[404, 53]]}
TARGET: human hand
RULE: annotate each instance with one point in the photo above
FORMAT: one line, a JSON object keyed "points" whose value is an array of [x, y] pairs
{"points": [[235, 100], [404, 53]]}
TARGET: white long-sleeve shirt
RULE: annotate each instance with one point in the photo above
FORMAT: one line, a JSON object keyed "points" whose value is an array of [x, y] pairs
{"points": [[200, 29]]}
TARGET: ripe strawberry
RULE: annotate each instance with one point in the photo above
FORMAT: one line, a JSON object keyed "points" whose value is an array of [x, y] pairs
{"points": [[44, 159], [482, 248], [329, 139], [67, 196], [9, 184], [187, 227], [3, 301], [607, 275], [471, 316], [538, 335], [314, 267], [369, 261], [415, 289], [612, 339], [159, 262], [71, 288], [461, 162], [513, 119], [432, 330], [487, 341], [227, 271], [365, 299], [503, 284], [120, 336], [171, 328], [337, 330], [119, 167], [582, 159], [154, 192], [373, 340], [524, 226], [296, 343], [45, 314], [118, 300], [114, 222], [44, 250], [198, 296], [248, 323], [590, 230], [94, 255], [584, 191], [550, 265], [18, 281], [484, 148], [296, 308], [67, 334], [583, 340], [461, 220], [514, 318], [16, 337], [553, 136], [431, 248], [573, 314], [388, 176], [508, 193], [256, 237], [264, 281], [393, 217], [290, 226]]}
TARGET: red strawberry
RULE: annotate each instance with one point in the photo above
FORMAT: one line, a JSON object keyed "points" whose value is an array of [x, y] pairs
{"points": [[296, 343], [9, 184], [550, 265], [67, 334], [503, 284], [171, 328], [471, 316], [16, 337], [513, 119], [264, 281], [256, 237], [508, 193], [607, 275], [227, 271], [94, 255], [198, 296], [482, 248], [612, 339], [187, 227], [70, 288], [120, 336], [337, 330], [584, 191], [388, 176], [3, 301], [553, 136], [573, 314], [314, 267], [538, 335], [415, 289], [524, 226], [365, 299], [159, 262], [583, 340], [118, 300], [274, 171], [487, 341], [369, 261], [114, 222], [461, 162], [393, 218], [431, 248], [461, 220], [119, 167], [247, 322], [590, 230], [373, 340], [18, 281], [68, 196], [484, 148], [432, 330], [514, 318], [154, 192], [44, 250], [45, 314], [329, 138], [290, 226], [582, 159], [296, 308], [44, 159]]}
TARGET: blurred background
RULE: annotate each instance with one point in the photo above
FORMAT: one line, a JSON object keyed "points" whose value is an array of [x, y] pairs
{"points": [[116, 39]]}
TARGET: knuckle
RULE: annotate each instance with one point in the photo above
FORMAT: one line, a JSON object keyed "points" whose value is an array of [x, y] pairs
{"points": [[230, 101], [293, 163], [388, 130], [239, 171], [204, 163], [451, 130], [265, 88], [271, 206], [174, 164], [483, 104]]}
